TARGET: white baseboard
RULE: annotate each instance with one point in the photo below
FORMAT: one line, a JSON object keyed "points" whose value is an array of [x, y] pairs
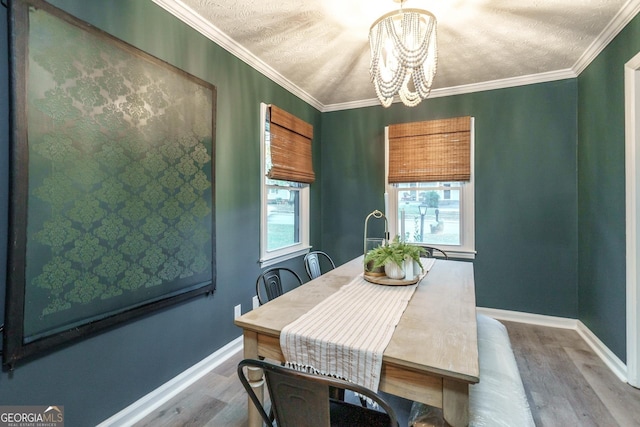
{"points": [[152, 401], [533, 319], [607, 356], [611, 360]]}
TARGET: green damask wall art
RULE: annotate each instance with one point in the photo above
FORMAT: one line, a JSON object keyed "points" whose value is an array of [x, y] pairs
{"points": [[112, 203]]}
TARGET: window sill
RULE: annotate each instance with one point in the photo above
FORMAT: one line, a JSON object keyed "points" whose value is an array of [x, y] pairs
{"points": [[267, 262], [461, 254]]}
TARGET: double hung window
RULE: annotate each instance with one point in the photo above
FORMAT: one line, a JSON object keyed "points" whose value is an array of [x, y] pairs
{"points": [[429, 189], [286, 172]]}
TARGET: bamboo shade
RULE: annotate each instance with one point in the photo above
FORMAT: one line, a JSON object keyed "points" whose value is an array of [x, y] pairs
{"points": [[290, 147], [431, 151]]}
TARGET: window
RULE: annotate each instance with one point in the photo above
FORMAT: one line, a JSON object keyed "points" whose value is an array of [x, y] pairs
{"points": [[285, 200], [437, 213]]}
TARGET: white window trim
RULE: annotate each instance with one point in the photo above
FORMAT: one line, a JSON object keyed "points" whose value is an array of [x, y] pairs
{"points": [[268, 258], [467, 205]]}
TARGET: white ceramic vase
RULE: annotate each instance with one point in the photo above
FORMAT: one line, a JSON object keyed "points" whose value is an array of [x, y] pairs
{"points": [[416, 268], [393, 270], [408, 268]]}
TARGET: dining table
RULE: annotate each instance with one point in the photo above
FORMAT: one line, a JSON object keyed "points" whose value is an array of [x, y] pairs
{"points": [[432, 356]]}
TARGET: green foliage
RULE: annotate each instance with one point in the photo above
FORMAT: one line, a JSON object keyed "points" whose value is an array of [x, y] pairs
{"points": [[417, 235], [430, 198], [396, 251]]}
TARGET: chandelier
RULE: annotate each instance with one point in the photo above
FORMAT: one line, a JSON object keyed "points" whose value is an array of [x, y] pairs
{"points": [[403, 55]]}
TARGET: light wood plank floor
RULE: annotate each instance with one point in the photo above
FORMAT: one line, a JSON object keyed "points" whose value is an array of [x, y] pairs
{"points": [[566, 383]]}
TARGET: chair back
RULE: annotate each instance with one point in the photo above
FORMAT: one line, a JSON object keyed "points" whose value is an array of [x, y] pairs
{"points": [[432, 252], [312, 262], [303, 399], [269, 284], [293, 396]]}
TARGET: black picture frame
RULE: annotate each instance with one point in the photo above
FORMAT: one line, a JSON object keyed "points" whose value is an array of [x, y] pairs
{"points": [[112, 179]]}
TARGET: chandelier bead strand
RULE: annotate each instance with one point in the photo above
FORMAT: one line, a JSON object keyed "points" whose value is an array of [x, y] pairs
{"points": [[403, 53]]}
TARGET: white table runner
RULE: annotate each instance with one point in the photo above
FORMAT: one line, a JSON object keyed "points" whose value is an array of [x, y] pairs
{"points": [[345, 335]]}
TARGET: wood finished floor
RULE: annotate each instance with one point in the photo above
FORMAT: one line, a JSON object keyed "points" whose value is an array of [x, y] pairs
{"points": [[566, 383]]}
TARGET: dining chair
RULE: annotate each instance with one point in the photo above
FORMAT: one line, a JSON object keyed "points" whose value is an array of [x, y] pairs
{"points": [[429, 250], [312, 262], [303, 399], [269, 284]]}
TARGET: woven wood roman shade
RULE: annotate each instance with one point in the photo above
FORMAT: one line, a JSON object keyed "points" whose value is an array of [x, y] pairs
{"points": [[431, 151], [290, 147]]}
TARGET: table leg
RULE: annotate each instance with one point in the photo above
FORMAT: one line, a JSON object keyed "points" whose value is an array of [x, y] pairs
{"points": [[455, 402], [254, 376]]}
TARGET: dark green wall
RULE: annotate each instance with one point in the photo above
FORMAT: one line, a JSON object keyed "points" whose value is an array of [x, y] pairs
{"points": [[526, 190], [97, 377], [601, 191]]}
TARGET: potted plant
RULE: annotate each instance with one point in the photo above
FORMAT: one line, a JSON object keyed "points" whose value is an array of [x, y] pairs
{"points": [[397, 258]]}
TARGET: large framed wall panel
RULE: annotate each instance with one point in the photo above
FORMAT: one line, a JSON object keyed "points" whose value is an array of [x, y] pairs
{"points": [[112, 182]]}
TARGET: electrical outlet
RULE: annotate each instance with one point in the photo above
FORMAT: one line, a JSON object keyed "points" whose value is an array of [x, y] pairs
{"points": [[255, 302], [237, 311]]}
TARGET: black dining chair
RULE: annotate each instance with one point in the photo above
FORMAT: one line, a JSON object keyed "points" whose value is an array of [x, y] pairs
{"points": [[432, 252], [269, 284], [313, 261], [303, 399]]}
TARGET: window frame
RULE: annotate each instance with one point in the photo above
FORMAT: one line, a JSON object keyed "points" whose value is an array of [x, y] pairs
{"points": [[272, 257], [466, 249]]}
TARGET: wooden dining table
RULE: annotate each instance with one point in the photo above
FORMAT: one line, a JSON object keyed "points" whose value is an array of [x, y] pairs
{"points": [[432, 356]]}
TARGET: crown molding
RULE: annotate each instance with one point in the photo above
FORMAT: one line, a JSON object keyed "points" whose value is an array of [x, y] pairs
{"points": [[617, 24], [189, 16], [530, 79], [470, 88], [372, 102]]}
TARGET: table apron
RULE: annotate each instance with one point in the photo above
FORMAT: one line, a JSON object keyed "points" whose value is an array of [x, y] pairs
{"points": [[412, 385], [269, 348], [417, 386]]}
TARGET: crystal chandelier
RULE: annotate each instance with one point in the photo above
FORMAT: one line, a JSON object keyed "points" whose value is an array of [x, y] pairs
{"points": [[403, 55]]}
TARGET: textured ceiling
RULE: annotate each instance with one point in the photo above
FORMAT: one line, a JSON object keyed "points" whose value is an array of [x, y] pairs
{"points": [[320, 48]]}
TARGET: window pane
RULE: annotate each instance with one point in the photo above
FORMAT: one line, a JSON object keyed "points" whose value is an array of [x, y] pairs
{"points": [[283, 213], [429, 213]]}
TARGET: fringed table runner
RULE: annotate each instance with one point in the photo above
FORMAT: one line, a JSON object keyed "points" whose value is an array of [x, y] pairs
{"points": [[345, 335]]}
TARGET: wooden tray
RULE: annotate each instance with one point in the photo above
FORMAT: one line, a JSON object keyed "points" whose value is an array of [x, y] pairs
{"points": [[384, 280]]}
